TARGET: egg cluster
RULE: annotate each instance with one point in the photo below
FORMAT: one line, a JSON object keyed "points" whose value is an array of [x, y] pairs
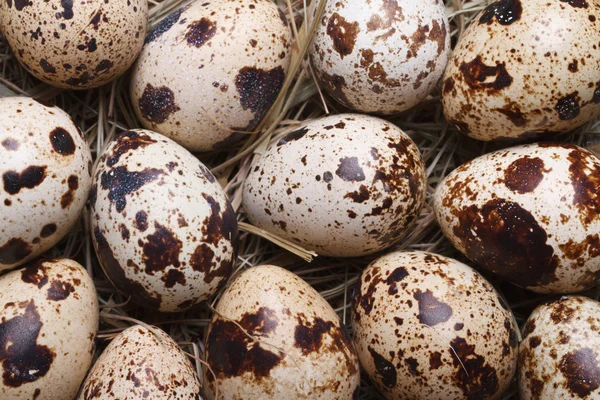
{"points": [[351, 184]]}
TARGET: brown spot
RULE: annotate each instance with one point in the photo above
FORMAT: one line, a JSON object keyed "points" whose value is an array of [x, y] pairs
{"points": [[476, 378], [21, 4], [513, 113], [261, 323], [524, 175], [157, 104], [14, 251], [431, 310], [435, 360], [576, 250], [391, 13], [561, 312], [10, 144], [173, 277], [573, 66], [385, 369], [59, 290], [359, 196], [292, 136], [576, 3], [120, 183], [502, 236], [438, 34], [584, 172], [258, 89], [125, 234], [568, 107], [343, 34], [528, 328], [309, 337], [62, 142], [448, 85], [67, 12], [29, 178], [117, 276], [580, 368], [203, 260], [164, 25], [231, 353], [335, 85], [350, 170], [200, 32], [23, 360], [161, 250], [476, 75], [35, 273], [48, 230], [506, 12], [125, 142], [47, 67], [67, 198], [536, 386], [412, 365], [141, 221]]}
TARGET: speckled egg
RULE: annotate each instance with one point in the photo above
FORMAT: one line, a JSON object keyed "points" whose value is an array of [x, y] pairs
{"points": [[48, 323], [142, 364], [274, 337], [164, 230], [209, 72], [530, 214], [524, 69], [381, 56], [75, 45], [46, 169], [559, 356], [430, 327], [345, 185]]}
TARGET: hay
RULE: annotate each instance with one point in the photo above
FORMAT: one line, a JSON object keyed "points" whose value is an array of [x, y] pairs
{"points": [[102, 112]]}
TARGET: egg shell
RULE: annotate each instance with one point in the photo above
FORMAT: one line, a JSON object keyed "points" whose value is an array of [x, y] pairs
{"points": [[524, 69], [142, 364], [345, 185], [558, 357], [297, 348], [164, 230], [530, 214], [46, 169], [429, 327], [48, 323], [75, 45], [210, 71], [381, 56]]}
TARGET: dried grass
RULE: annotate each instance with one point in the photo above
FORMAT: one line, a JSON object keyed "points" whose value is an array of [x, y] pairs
{"points": [[102, 112]]}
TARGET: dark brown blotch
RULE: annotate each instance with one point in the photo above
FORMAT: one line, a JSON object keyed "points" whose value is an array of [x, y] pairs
{"points": [[576, 3], [506, 12], [59, 290], [350, 170], [62, 142], [141, 221], [309, 337], [568, 107], [14, 250], [476, 74], [161, 250], [476, 378], [48, 230], [29, 178], [157, 104], [431, 310], [524, 174], [584, 172], [164, 25], [10, 144], [125, 142], [200, 32], [258, 89], [343, 34], [292, 136], [581, 371], [385, 369], [68, 197], [121, 182]]}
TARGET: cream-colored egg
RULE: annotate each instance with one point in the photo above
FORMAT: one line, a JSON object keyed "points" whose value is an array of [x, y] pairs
{"points": [[142, 364], [530, 214], [559, 356], [345, 185], [429, 327], [163, 228], [46, 169], [48, 323], [524, 69], [274, 337], [211, 70], [75, 45], [381, 56]]}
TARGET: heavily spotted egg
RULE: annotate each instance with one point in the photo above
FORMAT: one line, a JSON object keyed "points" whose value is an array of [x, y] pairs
{"points": [[75, 45], [530, 214], [48, 323], [210, 71], [430, 327], [274, 337], [344, 185], [46, 169], [525, 68], [142, 363], [164, 230], [559, 356], [381, 56]]}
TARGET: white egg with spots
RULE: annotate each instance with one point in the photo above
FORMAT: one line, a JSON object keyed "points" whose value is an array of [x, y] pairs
{"points": [[210, 71], [429, 327], [381, 56], [163, 228], [344, 185], [274, 337], [142, 363], [48, 323], [45, 171]]}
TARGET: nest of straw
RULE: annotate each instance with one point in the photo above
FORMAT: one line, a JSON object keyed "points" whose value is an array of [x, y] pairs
{"points": [[101, 113]]}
